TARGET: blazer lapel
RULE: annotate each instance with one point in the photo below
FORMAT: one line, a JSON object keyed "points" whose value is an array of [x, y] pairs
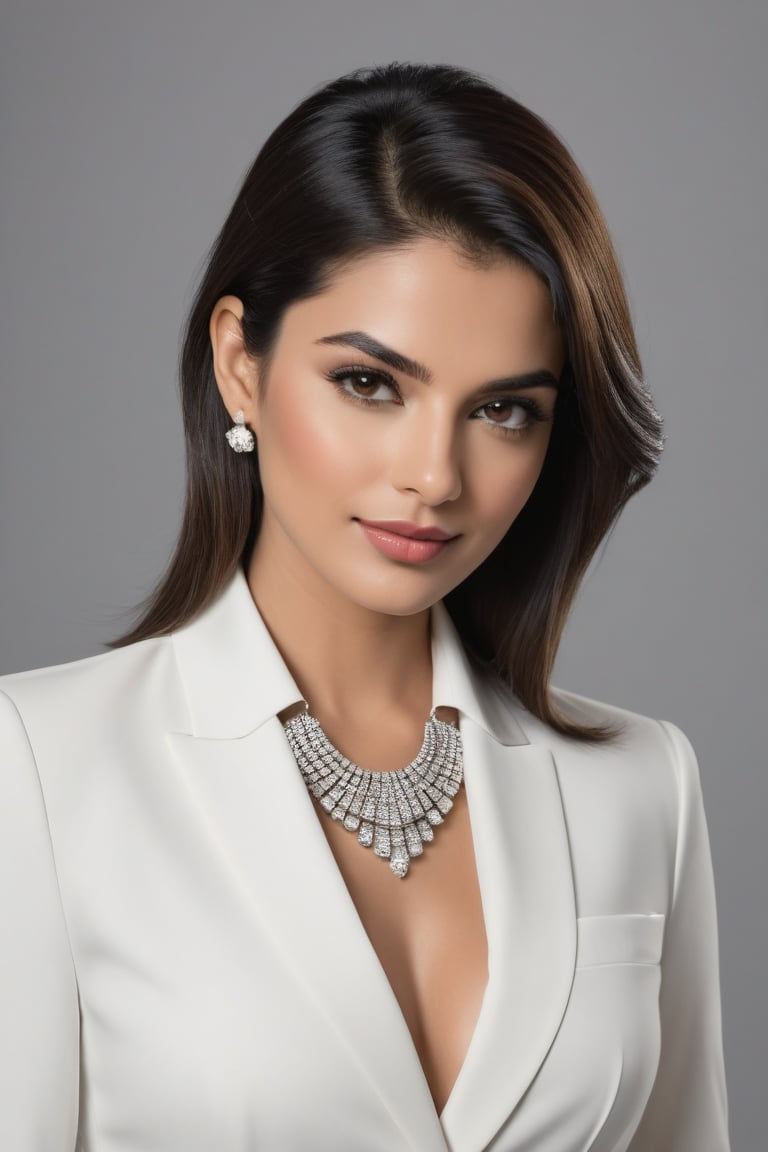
{"points": [[526, 884], [261, 818]]}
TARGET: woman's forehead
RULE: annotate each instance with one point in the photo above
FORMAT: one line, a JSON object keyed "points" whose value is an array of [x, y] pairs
{"points": [[430, 296]]}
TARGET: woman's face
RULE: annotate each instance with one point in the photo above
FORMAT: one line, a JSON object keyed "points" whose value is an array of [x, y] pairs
{"points": [[383, 404]]}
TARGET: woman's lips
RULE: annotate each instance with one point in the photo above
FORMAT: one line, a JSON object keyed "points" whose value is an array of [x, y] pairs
{"points": [[406, 528], [401, 547]]}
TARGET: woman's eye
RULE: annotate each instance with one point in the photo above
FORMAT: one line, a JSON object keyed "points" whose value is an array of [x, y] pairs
{"points": [[369, 386], [363, 384], [511, 415]]}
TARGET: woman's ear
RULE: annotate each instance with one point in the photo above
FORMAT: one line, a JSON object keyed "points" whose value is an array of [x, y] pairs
{"points": [[235, 370]]}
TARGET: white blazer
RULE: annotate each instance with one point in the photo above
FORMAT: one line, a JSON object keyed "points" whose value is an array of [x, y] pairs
{"points": [[183, 969]]}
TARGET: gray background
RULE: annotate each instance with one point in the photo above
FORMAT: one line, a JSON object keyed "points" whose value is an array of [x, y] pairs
{"points": [[125, 131]]}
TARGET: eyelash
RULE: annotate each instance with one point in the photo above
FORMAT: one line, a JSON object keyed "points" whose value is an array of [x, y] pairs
{"points": [[338, 375]]}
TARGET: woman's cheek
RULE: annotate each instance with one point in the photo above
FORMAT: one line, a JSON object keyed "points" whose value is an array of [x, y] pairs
{"points": [[505, 489], [319, 439]]}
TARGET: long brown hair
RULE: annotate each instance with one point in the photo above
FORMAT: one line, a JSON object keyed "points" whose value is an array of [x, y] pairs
{"points": [[374, 160]]}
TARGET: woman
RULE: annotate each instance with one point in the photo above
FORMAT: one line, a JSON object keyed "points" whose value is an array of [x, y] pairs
{"points": [[316, 857]]}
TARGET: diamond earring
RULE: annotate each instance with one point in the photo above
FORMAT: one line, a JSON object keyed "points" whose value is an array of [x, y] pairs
{"points": [[240, 438]]}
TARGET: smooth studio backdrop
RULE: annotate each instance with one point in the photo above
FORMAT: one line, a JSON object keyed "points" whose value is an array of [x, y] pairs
{"points": [[125, 130]]}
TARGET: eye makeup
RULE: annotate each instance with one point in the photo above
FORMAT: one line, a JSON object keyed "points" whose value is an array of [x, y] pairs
{"points": [[371, 377], [372, 347]]}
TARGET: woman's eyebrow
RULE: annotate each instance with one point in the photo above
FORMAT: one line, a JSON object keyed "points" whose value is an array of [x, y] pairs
{"points": [[364, 342]]}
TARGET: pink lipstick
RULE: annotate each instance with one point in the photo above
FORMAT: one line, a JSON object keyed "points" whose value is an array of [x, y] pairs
{"points": [[402, 540]]}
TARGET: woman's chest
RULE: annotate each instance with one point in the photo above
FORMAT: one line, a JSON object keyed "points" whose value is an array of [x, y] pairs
{"points": [[428, 933]]}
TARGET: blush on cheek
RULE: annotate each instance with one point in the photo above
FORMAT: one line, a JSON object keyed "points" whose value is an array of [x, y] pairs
{"points": [[327, 444], [305, 442]]}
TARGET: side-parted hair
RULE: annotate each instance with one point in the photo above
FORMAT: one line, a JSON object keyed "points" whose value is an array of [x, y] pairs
{"points": [[375, 160]]}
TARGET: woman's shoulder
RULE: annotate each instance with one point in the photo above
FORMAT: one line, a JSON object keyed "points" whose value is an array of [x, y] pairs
{"points": [[65, 694], [632, 727], [635, 728], [647, 766], [644, 749]]}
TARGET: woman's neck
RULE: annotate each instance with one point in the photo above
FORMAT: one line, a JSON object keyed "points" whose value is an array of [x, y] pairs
{"points": [[347, 660]]}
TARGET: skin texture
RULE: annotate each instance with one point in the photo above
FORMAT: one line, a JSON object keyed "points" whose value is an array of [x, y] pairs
{"points": [[353, 624]]}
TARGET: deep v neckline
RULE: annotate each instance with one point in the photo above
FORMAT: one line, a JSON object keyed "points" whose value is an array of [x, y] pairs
{"points": [[443, 906]]}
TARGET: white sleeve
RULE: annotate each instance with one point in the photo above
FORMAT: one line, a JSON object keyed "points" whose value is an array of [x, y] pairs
{"points": [[688, 1110], [39, 1011]]}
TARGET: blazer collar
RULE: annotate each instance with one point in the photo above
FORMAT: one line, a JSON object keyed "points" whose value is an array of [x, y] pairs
{"points": [[235, 678]]}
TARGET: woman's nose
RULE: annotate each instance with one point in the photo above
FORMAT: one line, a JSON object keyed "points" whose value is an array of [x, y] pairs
{"points": [[426, 460]]}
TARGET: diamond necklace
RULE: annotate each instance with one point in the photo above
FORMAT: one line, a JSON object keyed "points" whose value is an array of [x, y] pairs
{"points": [[395, 812]]}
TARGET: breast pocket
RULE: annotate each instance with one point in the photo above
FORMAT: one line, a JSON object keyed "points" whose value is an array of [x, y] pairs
{"points": [[627, 938]]}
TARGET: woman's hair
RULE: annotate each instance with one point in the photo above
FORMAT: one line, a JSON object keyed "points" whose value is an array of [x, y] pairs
{"points": [[376, 160]]}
